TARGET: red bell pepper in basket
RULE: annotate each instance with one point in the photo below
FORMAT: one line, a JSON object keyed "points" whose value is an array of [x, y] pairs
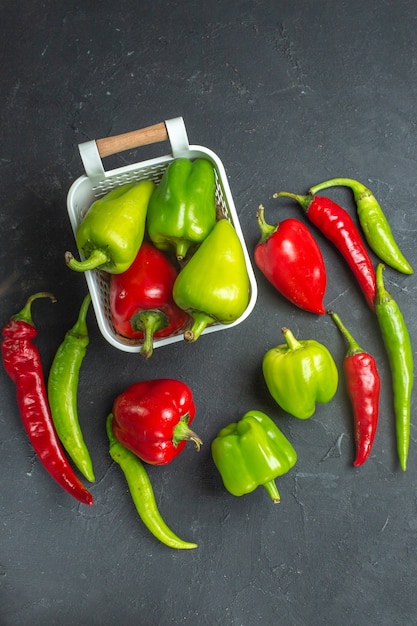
{"points": [[141, 303], [151, 419], [289, 257]]}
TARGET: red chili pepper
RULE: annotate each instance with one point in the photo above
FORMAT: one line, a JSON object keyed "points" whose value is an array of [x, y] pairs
{"points": [[336, 224], [288, 255], [22, 363], [151, 419], [363, 386], [141, 302]]}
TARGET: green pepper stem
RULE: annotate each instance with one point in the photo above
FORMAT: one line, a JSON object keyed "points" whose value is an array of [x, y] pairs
{"points": [[80, 327], [357, 187], [148, 322], [266, 229], [25, 315], [200, 321], [291, 341], [304, 201], [382, 294], [183, 433], [353, 346], [272, 491], [95, 260]]}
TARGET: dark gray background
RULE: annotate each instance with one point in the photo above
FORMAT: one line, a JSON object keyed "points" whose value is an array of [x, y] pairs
{"points": [[287, 93]]}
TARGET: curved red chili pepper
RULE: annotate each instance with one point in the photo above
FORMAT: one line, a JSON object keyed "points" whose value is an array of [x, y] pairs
{"points": [[363, 386], [22, 363], [338, 227]]}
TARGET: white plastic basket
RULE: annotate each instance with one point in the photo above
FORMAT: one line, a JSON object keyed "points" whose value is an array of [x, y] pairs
{"points": [[97, 182]]}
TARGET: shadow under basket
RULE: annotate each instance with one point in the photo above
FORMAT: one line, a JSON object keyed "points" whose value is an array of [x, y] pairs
{"points": [[98, 182]]}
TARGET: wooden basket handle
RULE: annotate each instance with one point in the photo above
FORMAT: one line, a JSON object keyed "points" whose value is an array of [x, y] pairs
{"points": [[133, 139]]}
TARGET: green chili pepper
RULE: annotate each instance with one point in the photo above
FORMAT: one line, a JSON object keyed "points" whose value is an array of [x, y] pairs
{"points": [[182, 209], [140, 488], [300, 373], [374, 224], [112, 230], [63, 389], [251, 453], [400, 354]]}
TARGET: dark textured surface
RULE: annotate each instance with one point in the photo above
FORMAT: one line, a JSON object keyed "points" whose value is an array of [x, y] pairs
{"points": [[287, 94]]}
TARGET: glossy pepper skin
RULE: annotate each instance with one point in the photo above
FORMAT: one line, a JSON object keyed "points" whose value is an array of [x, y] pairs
{"points": [[214, 285], [363, 386], [22, 363], [251, 453], [289, 257], [399, 349], [336, 224], [63, 391], [111, 232], [151, 419], [300, 373], [374, 224], [182, 209], [141, 302], [142, 492]]}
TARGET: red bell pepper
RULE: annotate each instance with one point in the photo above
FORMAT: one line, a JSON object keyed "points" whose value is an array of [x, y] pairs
{"points": [[289, 257], [141, 303], [151, 419]]}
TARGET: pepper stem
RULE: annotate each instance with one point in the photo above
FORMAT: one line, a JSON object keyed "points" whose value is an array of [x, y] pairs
{"points": [[304, 201], [382, 294], [80, 327], [25, 315], [200, 321], [183, 433], [357, 188], [272, 491], [353, 346], [291, 341], [148, 322], [266, 229], [95, 260]]}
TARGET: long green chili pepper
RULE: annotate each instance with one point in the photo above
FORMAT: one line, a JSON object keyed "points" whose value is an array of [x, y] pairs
{"points": [[142, 493], [400, 354], [63, 391], [374, 224]]}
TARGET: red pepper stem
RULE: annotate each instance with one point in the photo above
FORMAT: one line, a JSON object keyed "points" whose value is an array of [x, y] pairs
{"points": [[148, 322], [304, 201], [266, 229], [95, 260], [272, 491], [291, 341], [25, 315], [183, 433], [353, 346]]}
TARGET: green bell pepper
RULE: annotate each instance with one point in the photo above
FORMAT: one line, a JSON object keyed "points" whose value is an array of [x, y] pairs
{"points": [[113, 228], [213, 287], [182, 210], [251, 453], [300, 373]]}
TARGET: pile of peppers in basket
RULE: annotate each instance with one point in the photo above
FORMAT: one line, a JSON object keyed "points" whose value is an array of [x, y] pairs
{"points": [[175, 266]]}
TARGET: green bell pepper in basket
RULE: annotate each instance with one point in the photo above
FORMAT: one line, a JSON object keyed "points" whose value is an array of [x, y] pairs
{"points": [[182, 209], [300, 373], [251, 453], [112, 231]]}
